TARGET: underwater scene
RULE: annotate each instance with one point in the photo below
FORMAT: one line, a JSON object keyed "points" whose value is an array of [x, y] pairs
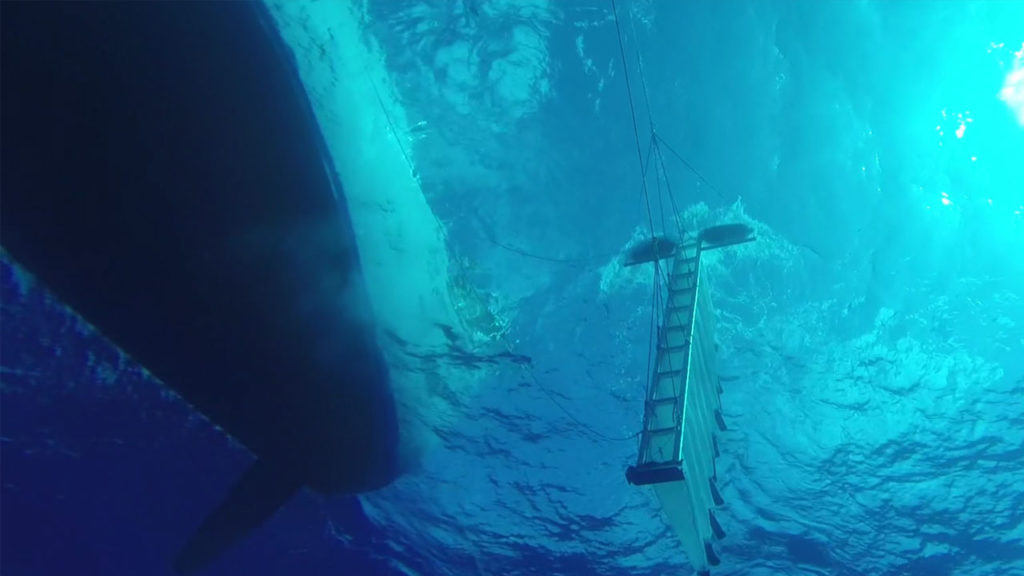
{"points": [[512, 287]]}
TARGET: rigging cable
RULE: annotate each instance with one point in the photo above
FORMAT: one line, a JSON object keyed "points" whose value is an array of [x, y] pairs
{"points": [[690, 167], [636, 129], [656, 296], [654, 149]]}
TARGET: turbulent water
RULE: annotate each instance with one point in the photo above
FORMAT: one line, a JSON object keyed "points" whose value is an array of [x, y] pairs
{"points": [[871, 341]]}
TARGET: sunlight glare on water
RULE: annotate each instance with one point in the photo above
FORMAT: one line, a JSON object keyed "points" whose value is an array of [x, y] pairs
{"points": [[1012, 92]]}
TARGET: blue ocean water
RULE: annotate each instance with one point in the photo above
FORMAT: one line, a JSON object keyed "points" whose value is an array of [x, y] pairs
{"points": [[870, 342]]}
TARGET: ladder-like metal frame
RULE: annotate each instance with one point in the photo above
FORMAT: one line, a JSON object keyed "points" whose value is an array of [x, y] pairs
{"points": [[682, 410], [683, 392]]}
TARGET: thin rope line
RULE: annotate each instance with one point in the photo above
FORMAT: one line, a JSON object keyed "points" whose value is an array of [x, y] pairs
{"points": [[690, 168], [632, 112], [643, 77]]}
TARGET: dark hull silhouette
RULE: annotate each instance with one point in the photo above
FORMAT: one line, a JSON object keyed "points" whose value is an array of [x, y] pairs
{"points": [[163, 174]]}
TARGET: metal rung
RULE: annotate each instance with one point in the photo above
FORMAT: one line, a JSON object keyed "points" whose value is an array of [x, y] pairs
{"points": [[673, 372], [681, 319], [685, 278], [685, 260], [665, 430], [685, 271], [671, 349], [669, 327], [670, 310], [660, 401]]}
